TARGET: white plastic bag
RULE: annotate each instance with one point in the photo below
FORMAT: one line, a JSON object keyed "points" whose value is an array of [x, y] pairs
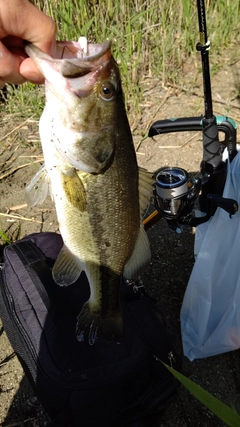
{"points": [[210, 313]]}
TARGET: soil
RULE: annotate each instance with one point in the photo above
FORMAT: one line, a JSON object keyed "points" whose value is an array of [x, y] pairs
{"points": [[172, 253]]}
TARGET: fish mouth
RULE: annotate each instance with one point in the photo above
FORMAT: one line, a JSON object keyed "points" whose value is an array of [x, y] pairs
{"points": [[82, 49], [71, 59], [72, 67]]}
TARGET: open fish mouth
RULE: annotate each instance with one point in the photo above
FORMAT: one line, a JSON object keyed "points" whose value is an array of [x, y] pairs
{"points": [[82, 49], [73, 59], [85, 56]]}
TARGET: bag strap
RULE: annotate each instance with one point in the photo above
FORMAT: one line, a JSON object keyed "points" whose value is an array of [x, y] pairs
{"points": [[35, 263], [28, 252]]}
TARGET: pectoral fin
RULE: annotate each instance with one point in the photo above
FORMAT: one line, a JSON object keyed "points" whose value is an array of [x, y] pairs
{"points": [[74, 190], [145, 185], [66, 270], [37, 191], [140, 257]]}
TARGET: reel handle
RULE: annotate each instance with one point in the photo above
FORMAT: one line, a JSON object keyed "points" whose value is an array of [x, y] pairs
{"points": [[229, 205], [183, 124]]}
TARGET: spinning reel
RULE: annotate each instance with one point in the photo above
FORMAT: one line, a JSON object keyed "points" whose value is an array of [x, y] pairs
{"points": [[175, 192]]}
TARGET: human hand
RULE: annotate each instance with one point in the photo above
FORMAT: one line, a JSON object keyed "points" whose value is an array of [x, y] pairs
{"points": [[20, 21]]}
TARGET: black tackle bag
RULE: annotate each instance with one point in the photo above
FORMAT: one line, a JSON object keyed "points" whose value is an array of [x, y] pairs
{"points": [[81, 385]]}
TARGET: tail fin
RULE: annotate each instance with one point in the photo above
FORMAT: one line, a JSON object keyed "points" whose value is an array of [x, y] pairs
{"points": [[91, 325]]}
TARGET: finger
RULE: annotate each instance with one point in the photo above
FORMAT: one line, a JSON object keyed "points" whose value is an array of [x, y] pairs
{"points": [[31, 24], [43, 36], [9, 66], [30, 72]]}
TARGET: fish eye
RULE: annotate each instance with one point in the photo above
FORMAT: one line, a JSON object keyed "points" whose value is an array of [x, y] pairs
{"points": [[107, 91]]}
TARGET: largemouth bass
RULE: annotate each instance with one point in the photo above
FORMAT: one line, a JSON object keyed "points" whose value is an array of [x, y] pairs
{"points": [[92, 175]]}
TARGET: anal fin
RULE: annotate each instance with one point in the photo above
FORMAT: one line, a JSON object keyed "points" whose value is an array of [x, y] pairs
{"points": [[66, 269], [140, 257]]}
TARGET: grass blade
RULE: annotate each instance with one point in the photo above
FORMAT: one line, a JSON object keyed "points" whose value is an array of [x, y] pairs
{"points": [[222, 411]]}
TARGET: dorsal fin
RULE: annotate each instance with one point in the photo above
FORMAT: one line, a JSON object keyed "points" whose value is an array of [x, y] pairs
{"points": [[145, 186]]}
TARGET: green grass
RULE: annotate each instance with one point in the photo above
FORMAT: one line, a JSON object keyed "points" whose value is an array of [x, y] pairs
{"points": [[26, 100], [150, 38], [228, 415], [4, 237]]}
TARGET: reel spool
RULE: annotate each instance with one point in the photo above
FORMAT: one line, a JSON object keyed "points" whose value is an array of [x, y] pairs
{"points": [[174, 191]]}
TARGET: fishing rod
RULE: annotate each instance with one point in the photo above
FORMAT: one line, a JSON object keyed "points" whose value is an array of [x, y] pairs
{"points": [[176, 195], [211, 145], [213, 169]]}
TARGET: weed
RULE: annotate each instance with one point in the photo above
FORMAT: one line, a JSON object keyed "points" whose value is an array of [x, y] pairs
{"points": [[5, 237]]}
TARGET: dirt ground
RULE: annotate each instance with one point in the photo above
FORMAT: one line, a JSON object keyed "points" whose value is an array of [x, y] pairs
{"points": [[172, 254]]}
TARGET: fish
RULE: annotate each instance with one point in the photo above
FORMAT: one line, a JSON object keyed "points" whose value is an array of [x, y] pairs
{"points": [[91, 172]]}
